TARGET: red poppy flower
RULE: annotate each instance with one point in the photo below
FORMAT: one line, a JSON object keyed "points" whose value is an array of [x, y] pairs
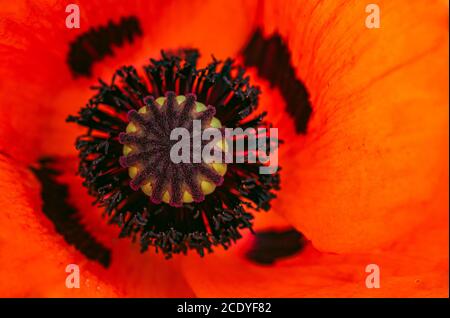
{"points": [[363, 115]]}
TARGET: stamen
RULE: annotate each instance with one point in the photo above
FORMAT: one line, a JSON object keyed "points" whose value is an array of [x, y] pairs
{"points": [[125, 154]]}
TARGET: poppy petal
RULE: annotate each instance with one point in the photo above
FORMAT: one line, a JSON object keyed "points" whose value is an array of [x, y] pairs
{"points": [[373, 165], [28, 237], [407, 269], [134, 273], [40, 92], [34, 257]]}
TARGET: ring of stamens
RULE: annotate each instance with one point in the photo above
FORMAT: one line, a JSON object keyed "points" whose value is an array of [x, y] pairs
{"points": [[147, 147]]}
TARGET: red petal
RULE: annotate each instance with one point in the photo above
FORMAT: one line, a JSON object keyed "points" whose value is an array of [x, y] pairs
{"points": [[373, 166]]}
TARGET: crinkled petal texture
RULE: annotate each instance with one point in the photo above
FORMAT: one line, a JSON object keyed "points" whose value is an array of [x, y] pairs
{"points": [[373, 166], [411, 265], [38, 92], [368, 183], [34, 257], [405, 271]]}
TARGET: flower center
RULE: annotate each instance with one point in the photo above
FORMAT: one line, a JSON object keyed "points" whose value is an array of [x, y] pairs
{"points": [[147, 150], [175, 205]]}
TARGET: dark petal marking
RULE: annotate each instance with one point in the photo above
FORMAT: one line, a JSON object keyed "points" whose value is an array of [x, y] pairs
{"points": [[64, 215], [98, 42], [272, 58], [270, 246]]}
